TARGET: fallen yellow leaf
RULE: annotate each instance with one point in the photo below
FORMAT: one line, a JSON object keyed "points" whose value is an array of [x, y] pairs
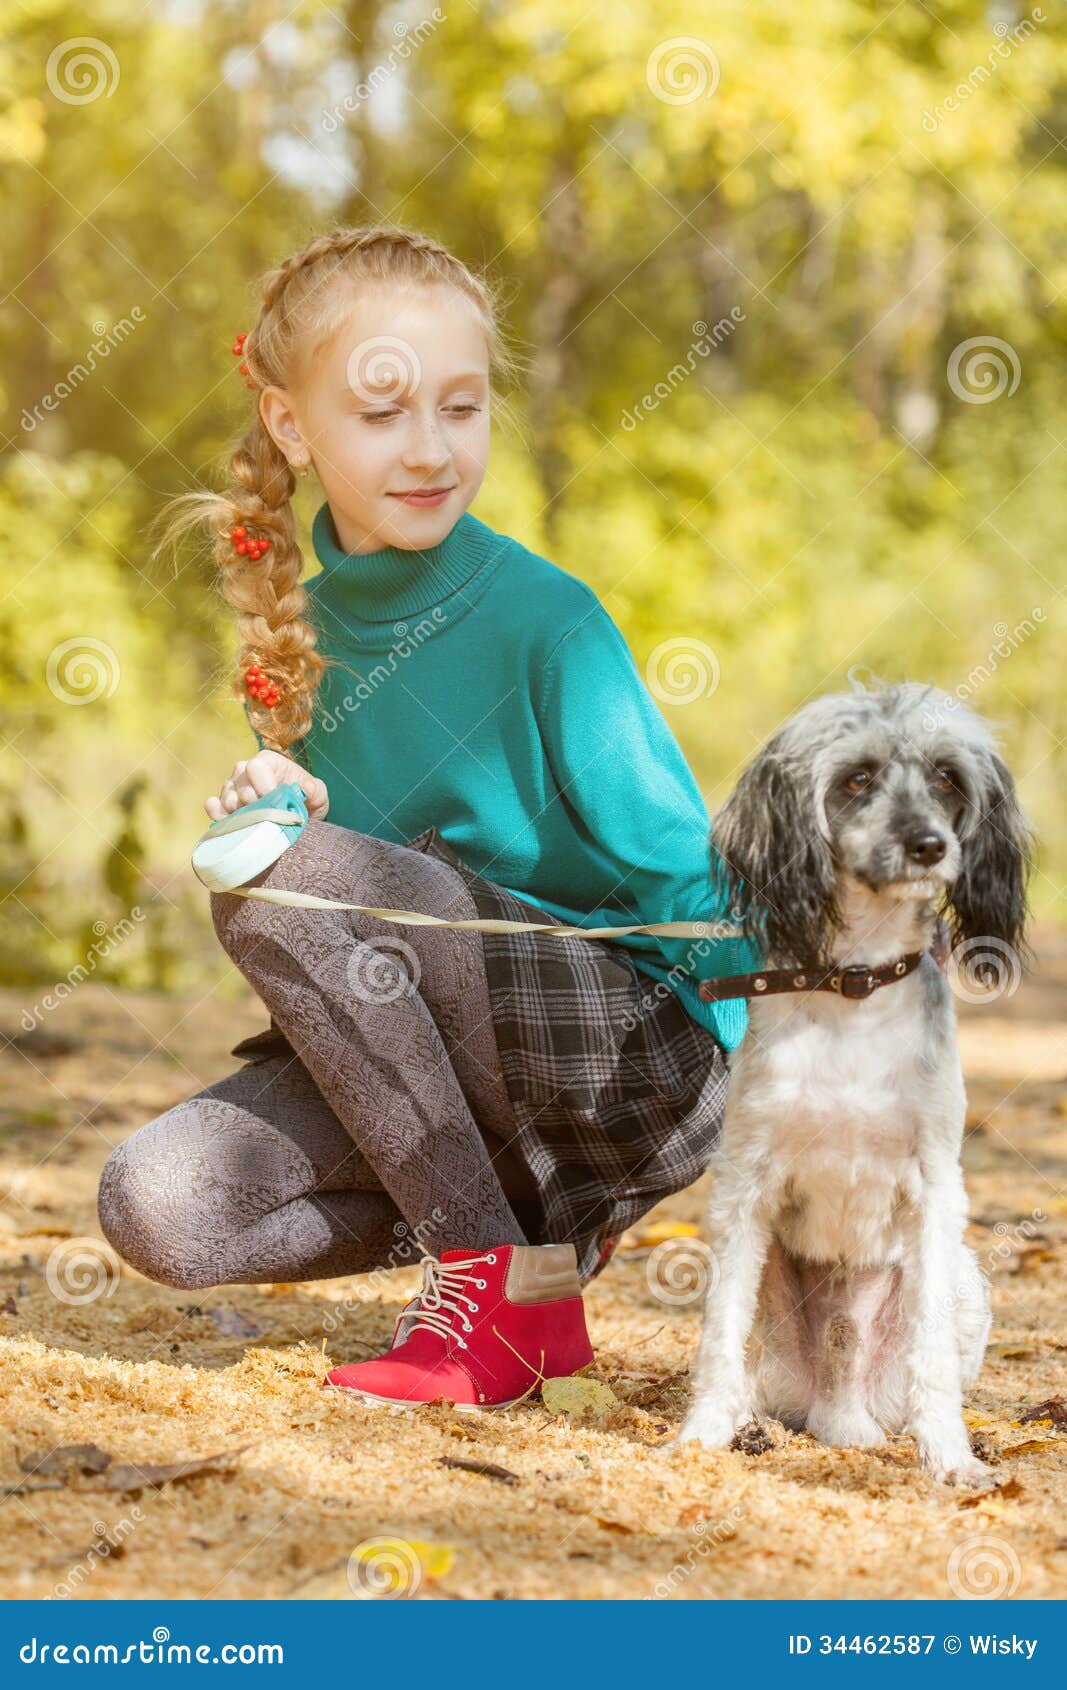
{"points": [[397, 1565], [436, 1559], [990, 1504], [659, 1232], [575, 1396], [995, 1501]]}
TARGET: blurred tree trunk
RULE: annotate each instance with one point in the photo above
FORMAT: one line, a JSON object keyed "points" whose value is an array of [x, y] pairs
{"points": [[895, 360], [554, 378], [920, 374], [369, 199], [724, 288], [40, 359]]}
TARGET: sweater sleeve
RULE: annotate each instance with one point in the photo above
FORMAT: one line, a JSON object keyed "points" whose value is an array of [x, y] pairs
{"points": [[632, 795]]}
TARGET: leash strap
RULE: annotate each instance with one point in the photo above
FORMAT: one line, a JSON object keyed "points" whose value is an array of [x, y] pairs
{"points": [[250, 815]]}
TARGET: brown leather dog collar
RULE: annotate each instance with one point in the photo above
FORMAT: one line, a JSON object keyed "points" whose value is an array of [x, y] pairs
{"points": [[856, 981]]}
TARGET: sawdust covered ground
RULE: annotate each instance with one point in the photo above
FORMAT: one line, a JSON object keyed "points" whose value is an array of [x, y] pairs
{"points": [[153, 1379]]}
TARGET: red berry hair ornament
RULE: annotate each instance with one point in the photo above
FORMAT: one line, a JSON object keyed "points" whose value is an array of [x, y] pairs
{"points": [[260, 686], [238, 349], [246, 544]]}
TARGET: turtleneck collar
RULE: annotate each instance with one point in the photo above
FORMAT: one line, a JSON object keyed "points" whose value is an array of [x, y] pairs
{"points": [[381, 586]]}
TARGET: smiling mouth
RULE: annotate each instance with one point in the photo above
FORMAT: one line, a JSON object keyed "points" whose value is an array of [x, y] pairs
{"points": [[423, 493], [905, 887], [922, 886]]}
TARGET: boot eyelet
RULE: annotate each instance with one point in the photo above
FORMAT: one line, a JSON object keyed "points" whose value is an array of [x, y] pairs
{"points": [[462, 1343], [474, 1308], [467, 1326], [491, 1258], [481, 1284]]}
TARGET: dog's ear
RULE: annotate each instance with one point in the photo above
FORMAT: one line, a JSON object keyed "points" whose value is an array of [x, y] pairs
{"points": [[775, 867], [988, 897]]}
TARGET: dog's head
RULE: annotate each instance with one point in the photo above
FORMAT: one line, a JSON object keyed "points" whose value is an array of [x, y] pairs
{"points": [[901, 788]]}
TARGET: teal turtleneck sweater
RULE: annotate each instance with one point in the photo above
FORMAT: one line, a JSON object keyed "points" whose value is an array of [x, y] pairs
{"points": [[489, 693]]}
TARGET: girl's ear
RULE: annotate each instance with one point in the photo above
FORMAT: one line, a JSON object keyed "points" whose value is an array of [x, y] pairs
{"points": [[775, 868], [988, 898]]}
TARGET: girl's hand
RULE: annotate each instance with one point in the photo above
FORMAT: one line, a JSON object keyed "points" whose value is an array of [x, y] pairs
{"points": [[257, 776]]}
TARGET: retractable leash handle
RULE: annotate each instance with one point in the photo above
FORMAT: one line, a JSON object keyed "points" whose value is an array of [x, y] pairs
{"points": [[242, 844]]}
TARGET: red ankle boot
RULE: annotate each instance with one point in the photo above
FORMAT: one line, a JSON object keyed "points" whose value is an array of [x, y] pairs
{"points": [[482, 1331]]}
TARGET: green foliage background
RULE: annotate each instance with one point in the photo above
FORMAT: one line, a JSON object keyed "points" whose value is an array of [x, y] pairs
{"points": [[813, 496]]}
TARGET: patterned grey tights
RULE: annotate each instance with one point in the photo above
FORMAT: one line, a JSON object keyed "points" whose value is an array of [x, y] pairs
{"points": [[391, 1121]]}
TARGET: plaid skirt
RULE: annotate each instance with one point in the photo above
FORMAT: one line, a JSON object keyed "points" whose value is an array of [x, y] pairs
{"points": [[618, 1093]]}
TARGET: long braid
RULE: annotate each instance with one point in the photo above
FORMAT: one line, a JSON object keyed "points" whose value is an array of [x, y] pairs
{"points": [[303, 299], [266, 592]]}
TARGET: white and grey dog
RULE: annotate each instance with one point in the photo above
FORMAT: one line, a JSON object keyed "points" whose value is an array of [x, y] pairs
{"points": [[842, 1297]]}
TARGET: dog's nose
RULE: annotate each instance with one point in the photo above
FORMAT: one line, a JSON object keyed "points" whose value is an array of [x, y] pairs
{"points": [[925, 848]]}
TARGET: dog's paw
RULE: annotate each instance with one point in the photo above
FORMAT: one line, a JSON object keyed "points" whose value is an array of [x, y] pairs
{"points": [[960, 1467], [971, 1474], [713, 1427]]}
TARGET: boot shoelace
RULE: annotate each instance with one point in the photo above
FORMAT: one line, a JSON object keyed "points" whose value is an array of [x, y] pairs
{"points": [[436, 1310]]}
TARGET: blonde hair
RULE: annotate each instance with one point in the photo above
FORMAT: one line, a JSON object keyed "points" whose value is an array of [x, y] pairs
{"points": [[302, 303]]}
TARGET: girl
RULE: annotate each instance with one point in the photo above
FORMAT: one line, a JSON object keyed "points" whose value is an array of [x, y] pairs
{"points": [[472, 721]]}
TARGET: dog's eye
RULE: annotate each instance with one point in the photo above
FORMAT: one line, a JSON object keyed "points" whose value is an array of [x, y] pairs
{"points": [[858, 780], [945, 779]]}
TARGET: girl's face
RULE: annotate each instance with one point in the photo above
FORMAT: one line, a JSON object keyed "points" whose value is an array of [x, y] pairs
{"points": [[395, 413]]}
